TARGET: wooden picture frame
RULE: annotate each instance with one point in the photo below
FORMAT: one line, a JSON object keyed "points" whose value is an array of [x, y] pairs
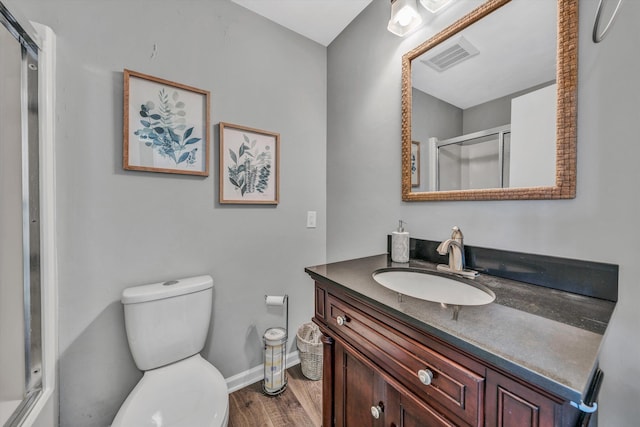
{"points": [[249, 165], [166, 126]]}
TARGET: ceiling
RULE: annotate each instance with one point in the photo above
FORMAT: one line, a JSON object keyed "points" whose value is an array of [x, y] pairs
{"points": [[516, 43], [517, 51], [318, 20]]}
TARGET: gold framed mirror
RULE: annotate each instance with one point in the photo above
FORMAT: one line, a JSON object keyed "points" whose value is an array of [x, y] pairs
{"points": [[478, 156]]}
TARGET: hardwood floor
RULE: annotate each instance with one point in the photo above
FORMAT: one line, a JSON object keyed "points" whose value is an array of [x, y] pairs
{"points": [[300, 405]]}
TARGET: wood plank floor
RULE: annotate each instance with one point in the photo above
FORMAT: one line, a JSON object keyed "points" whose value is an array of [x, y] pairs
{"points": [[300, 405]]}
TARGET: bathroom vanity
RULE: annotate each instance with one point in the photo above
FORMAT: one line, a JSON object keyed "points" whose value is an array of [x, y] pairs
{"points": [[526, 359]]}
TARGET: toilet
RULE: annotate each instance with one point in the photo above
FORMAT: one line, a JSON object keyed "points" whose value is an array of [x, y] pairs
{"points": [[167, 325]]}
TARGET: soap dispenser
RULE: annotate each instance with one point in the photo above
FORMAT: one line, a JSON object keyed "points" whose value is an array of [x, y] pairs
{"points": [[400, 244]]}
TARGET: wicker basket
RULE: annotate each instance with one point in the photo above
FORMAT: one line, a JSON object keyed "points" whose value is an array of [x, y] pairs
{"points": [[310, 350]]}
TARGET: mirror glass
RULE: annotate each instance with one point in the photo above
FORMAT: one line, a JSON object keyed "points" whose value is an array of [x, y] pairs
{"points": [[481, 108]]}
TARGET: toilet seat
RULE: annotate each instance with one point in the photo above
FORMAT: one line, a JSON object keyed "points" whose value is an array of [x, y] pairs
{"points": [[188, 393]]}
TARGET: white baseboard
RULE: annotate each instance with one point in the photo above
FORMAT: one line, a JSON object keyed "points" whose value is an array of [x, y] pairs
{"points": [[256, 374]]}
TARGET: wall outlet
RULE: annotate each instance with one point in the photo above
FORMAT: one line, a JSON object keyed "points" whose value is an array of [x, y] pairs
{"points": [[311, 219]]}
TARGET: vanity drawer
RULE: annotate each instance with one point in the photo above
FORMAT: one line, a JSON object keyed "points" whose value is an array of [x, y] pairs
{"points": [[452, 386]]}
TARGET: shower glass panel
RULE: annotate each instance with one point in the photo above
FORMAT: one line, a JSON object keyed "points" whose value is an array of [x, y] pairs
{"points": [[474, 161], [11, 278], [20, 304]]}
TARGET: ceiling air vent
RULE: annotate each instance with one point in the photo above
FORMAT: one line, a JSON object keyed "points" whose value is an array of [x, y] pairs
{"points": [[451, 54]]}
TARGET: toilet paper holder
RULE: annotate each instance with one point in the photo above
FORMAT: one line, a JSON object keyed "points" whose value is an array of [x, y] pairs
{"points": [[280, 300], [275, 351]]}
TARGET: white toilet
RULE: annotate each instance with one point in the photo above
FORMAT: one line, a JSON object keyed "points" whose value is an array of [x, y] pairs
{"points": [[167, 326]]}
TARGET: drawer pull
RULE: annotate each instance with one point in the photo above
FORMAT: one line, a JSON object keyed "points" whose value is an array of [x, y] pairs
{"points": [[425, 376], [341, 320], [377, 410]]}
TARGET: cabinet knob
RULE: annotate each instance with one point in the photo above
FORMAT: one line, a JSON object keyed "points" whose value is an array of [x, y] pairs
{"points": [[377, 410], [341, 320], [425, 376]]}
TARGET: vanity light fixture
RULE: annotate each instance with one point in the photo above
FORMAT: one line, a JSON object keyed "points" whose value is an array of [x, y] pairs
{"points": [[404, 17], [434, 6]]}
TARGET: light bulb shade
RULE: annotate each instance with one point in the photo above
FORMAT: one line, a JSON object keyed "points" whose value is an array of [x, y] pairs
{"points": [[434, 6], [404, 17]]}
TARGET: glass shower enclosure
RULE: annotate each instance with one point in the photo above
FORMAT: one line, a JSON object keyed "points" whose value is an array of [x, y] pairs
{"points": [[20, 239], [472, 161]]}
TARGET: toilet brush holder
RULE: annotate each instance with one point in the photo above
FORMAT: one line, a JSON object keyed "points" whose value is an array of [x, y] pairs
{"points": [[275, 351]]}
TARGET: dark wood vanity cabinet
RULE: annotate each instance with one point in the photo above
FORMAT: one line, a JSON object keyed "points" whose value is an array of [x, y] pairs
{"points": [[364, 398], [510, 403], [381, 371]]}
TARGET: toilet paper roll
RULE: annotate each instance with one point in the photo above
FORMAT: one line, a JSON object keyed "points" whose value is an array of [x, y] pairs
{"points": [[274, 300]]}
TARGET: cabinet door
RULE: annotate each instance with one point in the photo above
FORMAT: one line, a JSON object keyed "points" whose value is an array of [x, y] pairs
{"points": [[405, 410], [358, 389], [510, 403], [454, 388]]}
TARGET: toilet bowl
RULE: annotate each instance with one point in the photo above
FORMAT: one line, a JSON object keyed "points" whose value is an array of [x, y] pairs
{"points": [[167, 325], [189, 393]]}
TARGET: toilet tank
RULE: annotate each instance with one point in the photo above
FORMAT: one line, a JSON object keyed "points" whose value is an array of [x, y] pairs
{"points": [[167, 321]]}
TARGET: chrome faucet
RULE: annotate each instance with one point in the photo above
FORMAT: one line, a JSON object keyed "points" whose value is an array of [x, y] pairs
{"points": [[454, 247], [456, 254]]}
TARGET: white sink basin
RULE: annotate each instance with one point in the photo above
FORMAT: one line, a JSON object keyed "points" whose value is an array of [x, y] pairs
{"points": [[433, 287]]}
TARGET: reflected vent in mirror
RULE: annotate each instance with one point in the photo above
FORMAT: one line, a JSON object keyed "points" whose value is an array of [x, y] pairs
{"points": [[450, 54]]}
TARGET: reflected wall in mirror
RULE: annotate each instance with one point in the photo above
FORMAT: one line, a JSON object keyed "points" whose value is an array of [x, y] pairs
{"points": [[490, 102]]}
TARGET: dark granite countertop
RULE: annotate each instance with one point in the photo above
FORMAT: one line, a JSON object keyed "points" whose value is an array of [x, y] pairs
{"points": [[548, 337]]}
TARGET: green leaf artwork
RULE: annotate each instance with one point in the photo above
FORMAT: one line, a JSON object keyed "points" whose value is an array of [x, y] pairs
{"points": [[165, 130], [251, 167]]}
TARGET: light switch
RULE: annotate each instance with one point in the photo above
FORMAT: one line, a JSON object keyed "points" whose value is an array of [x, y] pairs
{"points": [[311, 219]]}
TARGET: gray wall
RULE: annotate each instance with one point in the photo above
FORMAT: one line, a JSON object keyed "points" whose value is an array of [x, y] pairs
{"points": [[432, 117], [488, 115], [118, 229], [600, 224]]}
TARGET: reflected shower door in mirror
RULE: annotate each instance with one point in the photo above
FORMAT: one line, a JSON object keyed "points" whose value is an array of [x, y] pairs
{"points": [[472, 161], [490, 101]]}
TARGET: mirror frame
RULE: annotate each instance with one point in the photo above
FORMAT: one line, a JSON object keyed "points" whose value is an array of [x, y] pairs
{"points": [[567, 80]]}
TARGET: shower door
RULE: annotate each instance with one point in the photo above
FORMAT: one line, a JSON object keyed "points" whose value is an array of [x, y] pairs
{"points": [[20, 305], [474, 161]]}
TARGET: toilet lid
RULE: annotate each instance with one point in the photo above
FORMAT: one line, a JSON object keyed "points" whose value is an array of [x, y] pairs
{"points": [[188, 393]]}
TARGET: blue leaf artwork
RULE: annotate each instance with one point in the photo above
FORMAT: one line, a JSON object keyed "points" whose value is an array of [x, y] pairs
{"points": [[251, 167], [163, 129]]}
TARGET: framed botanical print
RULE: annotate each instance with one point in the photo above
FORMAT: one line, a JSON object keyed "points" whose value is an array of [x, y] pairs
{"points": [[166, 126], [249, 165]]}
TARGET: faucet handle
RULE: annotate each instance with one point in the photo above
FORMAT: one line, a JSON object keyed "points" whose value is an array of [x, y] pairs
{"points": [[456, 234]]}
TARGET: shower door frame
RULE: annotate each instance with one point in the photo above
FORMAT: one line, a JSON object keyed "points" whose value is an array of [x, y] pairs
{"points": [[38, 213], [499, 131]]}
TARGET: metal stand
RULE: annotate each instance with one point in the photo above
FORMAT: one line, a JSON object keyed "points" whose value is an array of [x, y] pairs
{"points": [[275, 345]]}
